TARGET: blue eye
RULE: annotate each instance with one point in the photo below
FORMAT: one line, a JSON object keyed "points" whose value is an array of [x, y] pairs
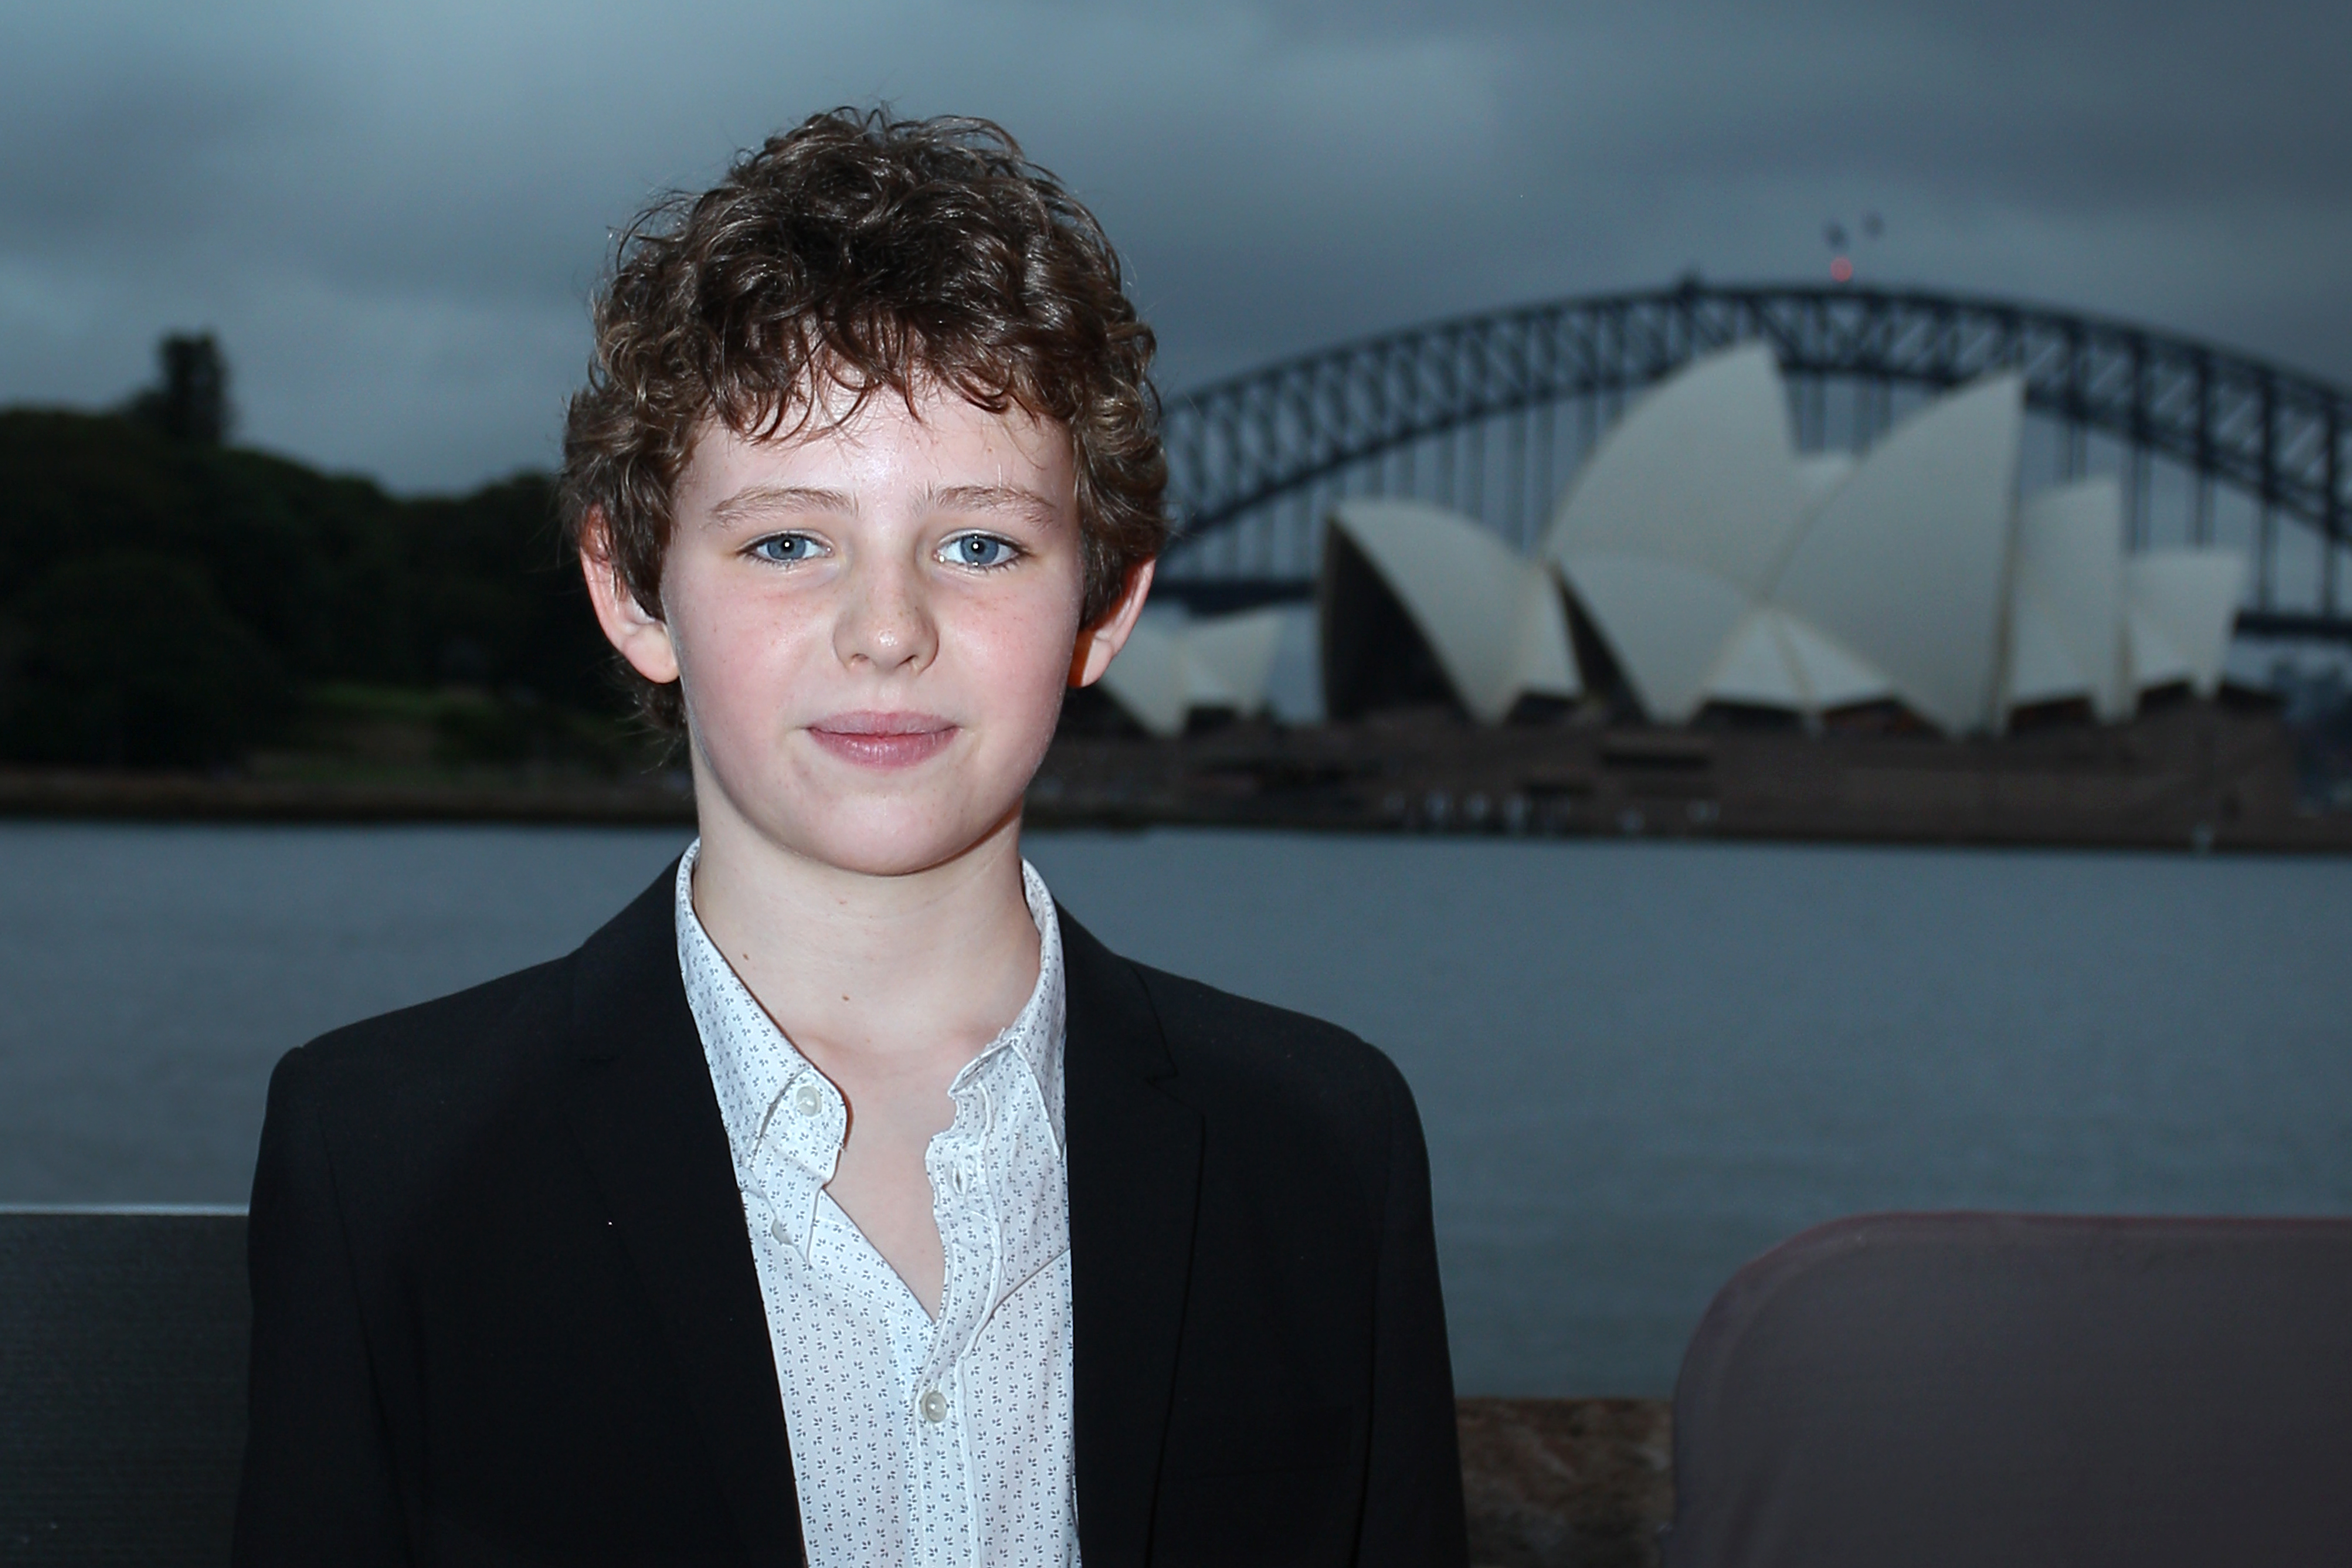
{"points": [[784, 549], [979, 549]]}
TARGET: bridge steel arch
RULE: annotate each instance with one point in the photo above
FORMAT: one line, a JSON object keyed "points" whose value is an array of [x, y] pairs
{"points": [[1342, 419]]}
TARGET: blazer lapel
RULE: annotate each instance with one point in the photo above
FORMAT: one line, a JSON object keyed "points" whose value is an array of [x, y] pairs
{"points": [[643, 1110], [1134, 1175]]}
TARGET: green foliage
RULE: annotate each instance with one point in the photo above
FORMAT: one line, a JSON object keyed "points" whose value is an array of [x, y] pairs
{"points": [[403, 727], [128, 659], [330, 579]]}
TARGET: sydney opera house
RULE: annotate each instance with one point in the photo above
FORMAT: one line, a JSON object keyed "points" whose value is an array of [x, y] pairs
{"points": [[1699, 563]]}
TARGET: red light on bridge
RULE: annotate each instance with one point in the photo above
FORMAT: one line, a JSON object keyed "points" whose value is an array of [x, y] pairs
{"points": [[1842, 270]]}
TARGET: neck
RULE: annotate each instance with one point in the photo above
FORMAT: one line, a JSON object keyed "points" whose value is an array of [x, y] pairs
{"points": [[859, 968]]}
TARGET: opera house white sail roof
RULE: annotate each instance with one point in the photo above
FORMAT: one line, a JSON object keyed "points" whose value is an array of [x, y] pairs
{"points": [[1169, 669], [1492, 617], [2066, 602], [1718, 565], [1678, 519], [1906, 562]]}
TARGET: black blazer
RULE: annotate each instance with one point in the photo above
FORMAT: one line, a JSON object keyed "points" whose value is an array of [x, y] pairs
{"points": [[505, 1310]]}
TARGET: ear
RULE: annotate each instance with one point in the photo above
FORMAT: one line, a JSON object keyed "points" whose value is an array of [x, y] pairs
{"points": [[1099, 643], [640, 635]]}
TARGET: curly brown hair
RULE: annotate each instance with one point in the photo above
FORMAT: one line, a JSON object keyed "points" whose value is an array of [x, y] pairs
{"points": [[879, 254]]}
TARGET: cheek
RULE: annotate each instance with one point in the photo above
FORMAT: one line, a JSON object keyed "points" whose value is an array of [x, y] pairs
{"points": [[1026, 658], [733, 653]]}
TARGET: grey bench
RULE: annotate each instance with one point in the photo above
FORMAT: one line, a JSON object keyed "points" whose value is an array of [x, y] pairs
{"points": [[1966, 1389], [122, 1353]]}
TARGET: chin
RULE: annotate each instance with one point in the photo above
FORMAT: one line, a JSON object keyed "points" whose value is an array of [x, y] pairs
{"points": [[888, 842]]}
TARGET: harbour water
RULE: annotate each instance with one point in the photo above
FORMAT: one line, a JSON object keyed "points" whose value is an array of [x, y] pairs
{"points": [[1638, 1063]]}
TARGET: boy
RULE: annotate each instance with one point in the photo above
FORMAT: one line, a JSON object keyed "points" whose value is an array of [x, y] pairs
{"points": [[842, 1200]]}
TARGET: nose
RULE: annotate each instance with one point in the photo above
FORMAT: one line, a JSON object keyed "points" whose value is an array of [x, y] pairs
{"points": [[885, 622]]}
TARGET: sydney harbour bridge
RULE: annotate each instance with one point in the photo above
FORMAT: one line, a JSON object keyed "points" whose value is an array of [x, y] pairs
{"points": [[1490, 413]]}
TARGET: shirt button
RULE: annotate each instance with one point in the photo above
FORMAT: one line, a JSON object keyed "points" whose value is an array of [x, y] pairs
{"points": [[933, 1406], [776, 1228], [807, 1101]]}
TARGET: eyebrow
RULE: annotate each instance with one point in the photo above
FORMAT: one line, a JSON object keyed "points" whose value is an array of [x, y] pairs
{"points": [[997, 498], [758, 499]]}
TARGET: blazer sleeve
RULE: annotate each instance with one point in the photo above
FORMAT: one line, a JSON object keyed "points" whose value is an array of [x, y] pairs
{"points": [[1413, 1512], [319, 1484]]}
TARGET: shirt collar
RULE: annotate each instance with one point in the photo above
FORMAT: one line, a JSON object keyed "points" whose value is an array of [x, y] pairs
{"points": [[764, 1086]]}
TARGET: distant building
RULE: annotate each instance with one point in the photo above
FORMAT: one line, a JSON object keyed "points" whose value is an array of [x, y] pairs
{"points": [[1403, 576], [1170, 671], [1698, 559]]}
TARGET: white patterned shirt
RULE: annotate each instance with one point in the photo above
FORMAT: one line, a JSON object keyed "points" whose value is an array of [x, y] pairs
{"points": [[915, 1440]]}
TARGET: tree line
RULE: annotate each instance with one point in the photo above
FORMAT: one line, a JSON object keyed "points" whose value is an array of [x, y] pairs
{"points": [[169, 599]]}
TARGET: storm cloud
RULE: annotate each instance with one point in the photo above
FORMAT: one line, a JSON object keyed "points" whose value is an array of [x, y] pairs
{"points": [[394, 216]]}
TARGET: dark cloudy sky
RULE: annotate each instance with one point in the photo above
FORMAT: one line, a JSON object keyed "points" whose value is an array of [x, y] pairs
{"points": [[394, 214]]}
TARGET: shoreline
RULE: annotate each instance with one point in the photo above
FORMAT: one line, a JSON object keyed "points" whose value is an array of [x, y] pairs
{"points": [[195, 797], [2195, 777]]}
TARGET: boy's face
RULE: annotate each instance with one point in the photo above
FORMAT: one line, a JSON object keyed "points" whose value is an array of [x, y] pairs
{"points": [[874, 624]]}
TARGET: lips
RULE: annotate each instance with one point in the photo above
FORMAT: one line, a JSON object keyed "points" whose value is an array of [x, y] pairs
{"points": [[883, 739]]}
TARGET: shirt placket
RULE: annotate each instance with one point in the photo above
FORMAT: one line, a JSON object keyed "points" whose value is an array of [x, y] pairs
{"points": [[963, 1206]]}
